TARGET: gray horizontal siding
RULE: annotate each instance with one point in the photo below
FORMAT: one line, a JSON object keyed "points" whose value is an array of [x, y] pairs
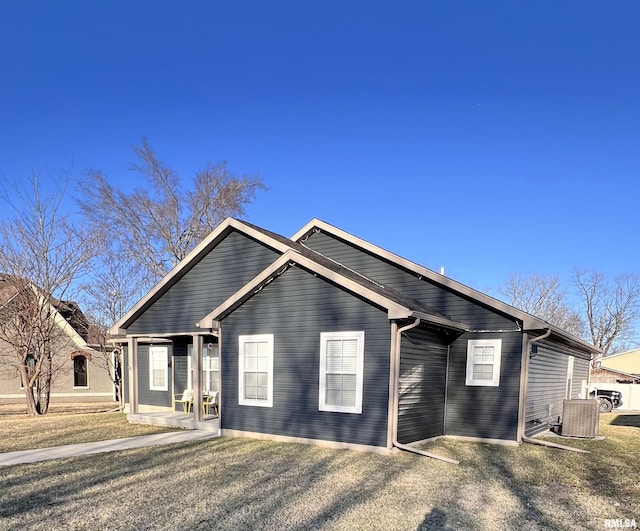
{"points": [[447, 302], [145, 395], [180, 366], [580, 377], [546, 387], [219, 274], [478, 411], [423, 370], [296, 307]]}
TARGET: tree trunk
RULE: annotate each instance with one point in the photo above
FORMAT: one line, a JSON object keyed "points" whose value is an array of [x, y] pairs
{"points": [[46, 378], [32, 408]]}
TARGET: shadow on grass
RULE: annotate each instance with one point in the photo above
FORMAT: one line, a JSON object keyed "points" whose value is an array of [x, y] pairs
{"points": [[436, 520], [222, 483], [626, 420]]}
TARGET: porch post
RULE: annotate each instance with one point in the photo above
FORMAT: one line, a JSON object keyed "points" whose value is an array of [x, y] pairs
{"points": [[197, 377], [132, 347]]}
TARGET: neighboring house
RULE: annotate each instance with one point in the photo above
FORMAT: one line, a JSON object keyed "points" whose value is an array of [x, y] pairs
{"points": [[80, 376], [327, 338], [602, 374], [628, 362]]}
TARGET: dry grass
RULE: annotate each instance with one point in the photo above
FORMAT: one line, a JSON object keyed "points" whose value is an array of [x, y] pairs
{"points": [[59, 408], [66, 424], [246, 484]]}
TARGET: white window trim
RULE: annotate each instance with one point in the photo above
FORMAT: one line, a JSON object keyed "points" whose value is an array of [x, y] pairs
{"points": [[253, 401], [471, 344], [164, 351], [210, 377], [189, 366], [322, 400]]}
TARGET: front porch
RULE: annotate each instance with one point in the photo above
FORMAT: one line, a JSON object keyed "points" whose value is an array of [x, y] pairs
{"points": [[175, 419]]}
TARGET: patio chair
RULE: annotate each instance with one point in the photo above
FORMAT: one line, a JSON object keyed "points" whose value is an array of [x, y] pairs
{"points": [[210, 403], [186, 399]]}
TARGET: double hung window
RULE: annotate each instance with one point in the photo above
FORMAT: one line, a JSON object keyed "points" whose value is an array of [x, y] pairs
{"points": [[255, 385], [483, 362], [341, 369], [158, 368]]}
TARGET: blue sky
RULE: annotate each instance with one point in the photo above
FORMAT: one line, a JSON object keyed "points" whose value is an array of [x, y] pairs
{"points": [[489, 138]]}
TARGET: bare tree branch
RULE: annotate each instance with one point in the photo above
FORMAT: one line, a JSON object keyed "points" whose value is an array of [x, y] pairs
{"points": [[159, 225], [612, 307], [42, 256], [546, 298]]}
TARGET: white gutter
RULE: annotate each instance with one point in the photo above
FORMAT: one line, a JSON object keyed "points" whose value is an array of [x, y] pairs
{"points": [[395, 375]]}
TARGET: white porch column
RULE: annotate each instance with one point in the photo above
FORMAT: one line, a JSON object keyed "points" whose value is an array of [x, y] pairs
{"points": [[197, 377], [132, 348]]}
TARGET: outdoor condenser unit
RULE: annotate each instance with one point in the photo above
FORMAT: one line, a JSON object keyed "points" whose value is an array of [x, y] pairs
{"points": [[580, 418]]}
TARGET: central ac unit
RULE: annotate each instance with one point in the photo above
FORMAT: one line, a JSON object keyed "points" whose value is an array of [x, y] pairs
{"points": [[580, 418]]}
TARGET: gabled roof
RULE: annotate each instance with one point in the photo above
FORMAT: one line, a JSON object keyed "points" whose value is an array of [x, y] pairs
{"points": [[67, 315], [397, 305], [626, 375], [272, 240], [529, 322]]}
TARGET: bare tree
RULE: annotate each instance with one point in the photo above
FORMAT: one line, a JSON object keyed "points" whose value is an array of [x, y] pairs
{"points": [[111, 290], [546, 298], [42, 255], [612, 307], [159, 224]]}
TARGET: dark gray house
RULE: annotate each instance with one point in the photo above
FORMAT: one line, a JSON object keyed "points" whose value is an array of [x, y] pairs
{"points": [[327, 338]]}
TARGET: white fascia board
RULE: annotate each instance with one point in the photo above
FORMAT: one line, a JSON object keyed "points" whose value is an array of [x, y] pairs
{"points": [[119, 327], [291, 257]]}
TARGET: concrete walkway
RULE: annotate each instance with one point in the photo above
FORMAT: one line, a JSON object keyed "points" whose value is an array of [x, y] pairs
{"points": [[57, 452]]}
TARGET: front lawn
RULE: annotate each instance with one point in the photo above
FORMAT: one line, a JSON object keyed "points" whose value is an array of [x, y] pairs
{"points": [[20, 432], [247, 484]]}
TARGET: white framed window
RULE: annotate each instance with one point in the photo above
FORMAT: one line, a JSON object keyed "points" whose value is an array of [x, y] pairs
{"points": [[483, 362], [255, 370], [158, 368], [341, 371], [210, 368]]}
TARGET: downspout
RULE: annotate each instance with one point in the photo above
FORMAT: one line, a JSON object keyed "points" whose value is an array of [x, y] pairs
{"points": [[395, 374], [524, 382]]}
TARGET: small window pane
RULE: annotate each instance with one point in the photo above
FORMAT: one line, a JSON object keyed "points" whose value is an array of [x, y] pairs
{"points": [[334, 347], [349, 382], [350, 363], [348, 398], [333, 397], [482, 372], [250, 363], [350, 347], [261, 392], [262, 364]]}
